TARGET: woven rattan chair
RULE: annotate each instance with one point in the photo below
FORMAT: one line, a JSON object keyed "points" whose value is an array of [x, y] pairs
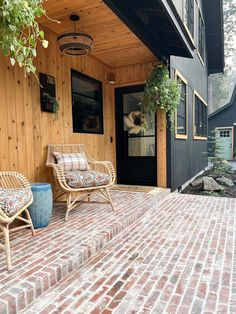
{"points": [[75, 197], [13, 180]]}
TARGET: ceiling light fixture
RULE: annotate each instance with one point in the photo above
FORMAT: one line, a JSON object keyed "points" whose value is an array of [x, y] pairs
{"points": [[75, 43]]}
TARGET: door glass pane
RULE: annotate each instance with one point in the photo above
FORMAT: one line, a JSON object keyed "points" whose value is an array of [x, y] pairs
{"points": [[140, 128], [141, 146]]}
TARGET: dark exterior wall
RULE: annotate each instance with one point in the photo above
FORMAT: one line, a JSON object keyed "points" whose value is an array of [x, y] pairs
{"points": [[224, 118], [186, 158]]}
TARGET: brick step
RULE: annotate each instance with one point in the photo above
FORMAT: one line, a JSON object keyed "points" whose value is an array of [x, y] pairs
{"points": [[177, 258], [40, 262]]}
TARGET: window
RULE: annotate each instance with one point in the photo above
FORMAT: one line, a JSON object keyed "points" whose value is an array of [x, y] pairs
{"points": [[189, 16], [86, 104], [225, 133], [200, 117], [201, 37], [181, 114]]}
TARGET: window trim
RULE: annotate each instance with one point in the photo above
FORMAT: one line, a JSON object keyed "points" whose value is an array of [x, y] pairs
{"points": [[192, 37], [85, 76], [182, 136], [196, 137], [199, 13]]}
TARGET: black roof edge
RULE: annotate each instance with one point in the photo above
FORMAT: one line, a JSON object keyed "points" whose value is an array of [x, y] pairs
{"points": [[124, 12], [225, 106], [209, 7], [181, 24], [159, 51]]}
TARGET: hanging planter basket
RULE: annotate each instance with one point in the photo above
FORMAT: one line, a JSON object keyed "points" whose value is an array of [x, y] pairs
{"points": [[161, 93]]}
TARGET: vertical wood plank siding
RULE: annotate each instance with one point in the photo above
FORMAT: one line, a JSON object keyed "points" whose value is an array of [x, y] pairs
{"points": [[25, 131]]}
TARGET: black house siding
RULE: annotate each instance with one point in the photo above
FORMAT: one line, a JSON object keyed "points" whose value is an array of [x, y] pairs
{"points": [[186, 158], [225, 117]]}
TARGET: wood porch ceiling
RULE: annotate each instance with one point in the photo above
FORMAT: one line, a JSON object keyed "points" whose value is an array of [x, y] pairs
{"points": [[115, 45]]}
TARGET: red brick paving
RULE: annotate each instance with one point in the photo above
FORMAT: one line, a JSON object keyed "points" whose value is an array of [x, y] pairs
{"points": [[42, 261], [178, 258]]}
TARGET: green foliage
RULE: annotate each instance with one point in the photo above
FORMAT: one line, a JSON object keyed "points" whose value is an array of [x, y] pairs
{"points": [[51, 100], [161, 92], [221, 85], [210, 193], [219, 165], [19, 31]]}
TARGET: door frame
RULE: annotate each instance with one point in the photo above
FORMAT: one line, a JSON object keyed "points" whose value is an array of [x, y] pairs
{"points": [[131, 88], [232, 138]]}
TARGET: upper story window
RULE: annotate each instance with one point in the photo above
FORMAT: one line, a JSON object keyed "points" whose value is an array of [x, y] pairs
{"points": [[201, 37], [189, 16], [200, 117], [181, 112], [87, 104]]}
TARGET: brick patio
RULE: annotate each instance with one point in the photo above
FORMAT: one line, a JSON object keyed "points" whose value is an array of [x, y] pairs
{"points": [[178, 258], [40, 262]]}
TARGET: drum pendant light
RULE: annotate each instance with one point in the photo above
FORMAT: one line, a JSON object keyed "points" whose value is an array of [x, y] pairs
{"points": [[75, 43]]}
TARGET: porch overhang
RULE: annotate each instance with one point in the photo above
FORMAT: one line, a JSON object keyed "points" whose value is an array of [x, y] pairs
{"points": [[157, 24], [214, 35]]}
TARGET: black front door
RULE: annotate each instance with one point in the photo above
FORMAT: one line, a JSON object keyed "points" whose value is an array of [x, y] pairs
{"points": [[135, 139]]}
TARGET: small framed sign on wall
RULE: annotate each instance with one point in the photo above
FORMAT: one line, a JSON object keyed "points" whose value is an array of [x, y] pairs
{"points": [[47, 92]]}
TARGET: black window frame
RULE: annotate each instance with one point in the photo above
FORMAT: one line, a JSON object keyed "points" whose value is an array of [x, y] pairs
{"points": [[85, 77], [189, 7], [200, 117], [201, 40], [178, 134]]}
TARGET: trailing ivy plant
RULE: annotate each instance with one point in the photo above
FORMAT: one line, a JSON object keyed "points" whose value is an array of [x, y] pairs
{"points": [[161, 92], [20, 32], [52, 100]]}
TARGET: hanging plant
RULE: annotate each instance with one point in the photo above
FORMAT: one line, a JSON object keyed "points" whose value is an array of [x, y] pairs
{"points": [[52, 101], [19, 31], [161, 92]]}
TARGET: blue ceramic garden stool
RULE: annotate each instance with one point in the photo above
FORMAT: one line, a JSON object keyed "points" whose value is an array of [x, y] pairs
{"points": [[41, 208]]}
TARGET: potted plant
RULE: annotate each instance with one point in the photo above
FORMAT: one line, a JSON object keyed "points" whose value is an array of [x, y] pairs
{"points": [[161, 92], [19, 31], [50, 103]]}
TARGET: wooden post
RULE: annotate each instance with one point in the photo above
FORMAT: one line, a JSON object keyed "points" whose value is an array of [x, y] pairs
{"points": [[161, 149]]}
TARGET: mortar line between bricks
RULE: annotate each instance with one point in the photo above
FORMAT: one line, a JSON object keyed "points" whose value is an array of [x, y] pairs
{"points": [[218, 238], [123, 230], [208, 249], [170, 235], [210, 213], [191, 231], [224, 257], [157, 243], [167, 218], [120, 235], [212, 238], [33, 284], [170, 227], [234, 263], [204, 264]]}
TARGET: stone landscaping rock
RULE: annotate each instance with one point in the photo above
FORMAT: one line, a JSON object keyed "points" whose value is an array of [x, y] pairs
{"points": [[197, 182], [225, 181], [209, 184]]}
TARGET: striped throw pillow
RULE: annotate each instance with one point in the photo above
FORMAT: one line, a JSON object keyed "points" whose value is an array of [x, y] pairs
{"points": [[72, 161]]}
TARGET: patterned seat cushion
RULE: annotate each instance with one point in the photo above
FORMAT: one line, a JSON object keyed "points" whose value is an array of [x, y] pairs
{"points": [[72, 161], [12, 200], [86, 179]]}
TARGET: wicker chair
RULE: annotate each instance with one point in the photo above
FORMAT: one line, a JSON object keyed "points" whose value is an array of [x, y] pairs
{"points": [[76, 196], [14, 180]]}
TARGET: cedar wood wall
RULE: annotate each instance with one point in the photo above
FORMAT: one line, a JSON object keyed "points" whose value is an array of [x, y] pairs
{"points": [[25, 131]]}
